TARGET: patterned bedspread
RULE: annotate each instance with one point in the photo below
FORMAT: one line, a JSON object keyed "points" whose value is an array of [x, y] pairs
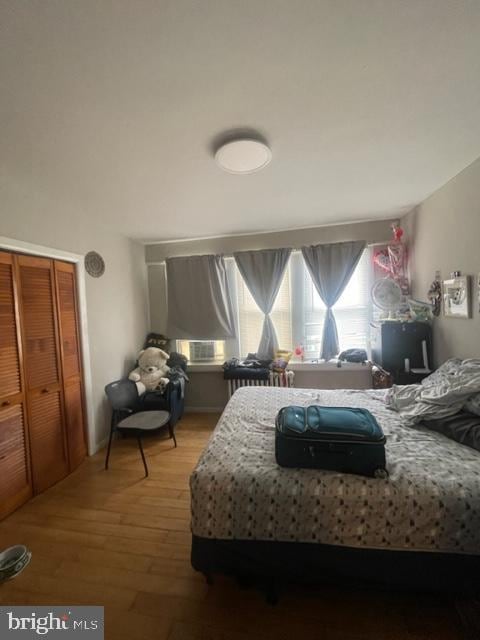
{"points": [[430, 502]]}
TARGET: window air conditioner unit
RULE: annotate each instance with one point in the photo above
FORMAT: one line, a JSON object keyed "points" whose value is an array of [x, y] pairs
{"points": [[202, 350]]}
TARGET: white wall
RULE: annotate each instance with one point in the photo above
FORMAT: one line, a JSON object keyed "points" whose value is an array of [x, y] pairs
{"points": [[116, 302], [444, 234], [372, 231]]}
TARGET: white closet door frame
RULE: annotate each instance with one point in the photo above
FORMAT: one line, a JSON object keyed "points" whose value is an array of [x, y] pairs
{"points": [[10, 244]]}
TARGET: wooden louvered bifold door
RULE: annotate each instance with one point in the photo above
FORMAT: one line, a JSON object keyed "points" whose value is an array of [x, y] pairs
{"points": [[71, 362], [42, 371], [15, 482]]}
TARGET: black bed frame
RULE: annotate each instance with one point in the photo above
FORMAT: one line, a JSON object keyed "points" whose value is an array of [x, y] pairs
{"points": [[275, 563]]}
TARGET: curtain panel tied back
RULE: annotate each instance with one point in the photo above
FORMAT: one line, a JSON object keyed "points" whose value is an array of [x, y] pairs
{"points": [[263, 273], [199, 304], [331, 266]]}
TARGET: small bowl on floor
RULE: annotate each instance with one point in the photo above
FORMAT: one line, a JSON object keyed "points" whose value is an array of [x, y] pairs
{"points": [[13, 561]]}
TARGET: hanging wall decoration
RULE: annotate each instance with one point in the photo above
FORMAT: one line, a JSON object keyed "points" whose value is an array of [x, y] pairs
{"points": [[434, 295], [94, 264], [382, 260], [397, 232], [390, 261], [397, 254], [456, 297]]}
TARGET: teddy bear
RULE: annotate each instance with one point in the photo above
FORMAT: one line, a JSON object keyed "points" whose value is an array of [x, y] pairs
{"points": [[151, 371]]}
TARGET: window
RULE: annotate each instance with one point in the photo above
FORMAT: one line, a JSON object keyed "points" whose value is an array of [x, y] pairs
{"points": [[352, 311], [250, 318], [215, 351], [202, 350], [298, 315]]}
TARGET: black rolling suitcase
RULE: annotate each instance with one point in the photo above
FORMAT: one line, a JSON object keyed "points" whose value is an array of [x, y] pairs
{"points": [[342, 439]]}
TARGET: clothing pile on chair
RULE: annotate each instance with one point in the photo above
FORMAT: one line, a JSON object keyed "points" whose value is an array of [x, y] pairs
{"points": [[178, 366], [251, 368]]}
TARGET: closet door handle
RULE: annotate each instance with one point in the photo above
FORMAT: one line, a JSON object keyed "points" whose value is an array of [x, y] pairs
{"points": [[44, 390], [5, 403]]}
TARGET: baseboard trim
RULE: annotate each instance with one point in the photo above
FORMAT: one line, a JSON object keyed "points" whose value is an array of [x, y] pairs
{"points": [[204, 409], [99, 445]]}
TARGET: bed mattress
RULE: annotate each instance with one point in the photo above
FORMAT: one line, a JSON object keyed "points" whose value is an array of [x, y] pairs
{"points": [[430, 501]]}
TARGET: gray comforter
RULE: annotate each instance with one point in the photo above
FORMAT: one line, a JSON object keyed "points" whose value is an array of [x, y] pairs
{"points": [[455, 385], [430, 502]]}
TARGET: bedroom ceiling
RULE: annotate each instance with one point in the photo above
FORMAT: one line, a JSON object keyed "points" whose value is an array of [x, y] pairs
{"points": [[368, 108]]}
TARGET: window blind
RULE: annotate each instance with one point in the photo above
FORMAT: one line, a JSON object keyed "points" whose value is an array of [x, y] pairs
{"points": [[250, 318], [352, 311]]}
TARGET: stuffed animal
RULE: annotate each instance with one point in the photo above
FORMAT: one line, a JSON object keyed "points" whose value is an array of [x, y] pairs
{"points": [[151, 373]]}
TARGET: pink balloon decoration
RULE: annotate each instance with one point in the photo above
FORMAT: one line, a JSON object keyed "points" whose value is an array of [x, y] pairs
{"points": [[382, 259], [397, 232]]}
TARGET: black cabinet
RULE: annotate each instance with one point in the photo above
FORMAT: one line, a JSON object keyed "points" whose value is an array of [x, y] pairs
{"points": [[404, 349]]}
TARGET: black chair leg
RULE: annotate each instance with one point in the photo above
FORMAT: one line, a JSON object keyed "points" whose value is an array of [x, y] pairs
{"points": [[172, 433], [108, 448], [139, 440]]}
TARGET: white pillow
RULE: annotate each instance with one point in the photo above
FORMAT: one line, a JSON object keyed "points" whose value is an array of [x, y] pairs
{"points": [[448, 368]]}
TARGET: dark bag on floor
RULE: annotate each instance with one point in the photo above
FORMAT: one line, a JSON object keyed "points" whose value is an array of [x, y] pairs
{"points": [[342, 439]]}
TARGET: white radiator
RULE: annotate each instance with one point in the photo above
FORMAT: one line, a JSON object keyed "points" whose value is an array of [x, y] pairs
{"points": [[275, 380]]}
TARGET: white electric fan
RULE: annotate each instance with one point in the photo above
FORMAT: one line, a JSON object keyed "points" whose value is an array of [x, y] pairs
{"points": [[387, 295]]}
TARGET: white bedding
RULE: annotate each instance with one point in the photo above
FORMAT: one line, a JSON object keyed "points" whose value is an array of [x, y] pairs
{"points": [[456, 384], [430, 502]]}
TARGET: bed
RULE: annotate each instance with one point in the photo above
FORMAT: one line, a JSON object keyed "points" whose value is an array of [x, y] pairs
{"points": [[419, 527]]}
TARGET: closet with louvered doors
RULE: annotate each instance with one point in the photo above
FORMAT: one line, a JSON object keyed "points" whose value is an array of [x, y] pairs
{"points": [[44, 414], [43, 381], [15, 478], [70, 355]]}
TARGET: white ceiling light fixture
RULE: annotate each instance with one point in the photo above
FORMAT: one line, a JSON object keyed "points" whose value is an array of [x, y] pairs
{"points": [[243, 156]]}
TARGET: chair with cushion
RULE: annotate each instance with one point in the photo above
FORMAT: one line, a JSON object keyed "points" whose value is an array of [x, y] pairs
{"points": [[129, 416]]}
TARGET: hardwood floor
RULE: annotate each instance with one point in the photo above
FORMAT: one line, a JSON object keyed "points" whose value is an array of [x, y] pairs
{"points": [[116, 539]]}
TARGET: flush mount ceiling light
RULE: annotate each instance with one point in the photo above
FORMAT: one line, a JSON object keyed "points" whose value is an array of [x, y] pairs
{"points": [[243, 156]]}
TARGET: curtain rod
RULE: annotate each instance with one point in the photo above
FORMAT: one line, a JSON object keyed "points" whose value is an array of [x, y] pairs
{"points": [[229, 256]]}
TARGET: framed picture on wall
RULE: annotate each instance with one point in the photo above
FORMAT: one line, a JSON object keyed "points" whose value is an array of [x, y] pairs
{"points": [[456, 297]]}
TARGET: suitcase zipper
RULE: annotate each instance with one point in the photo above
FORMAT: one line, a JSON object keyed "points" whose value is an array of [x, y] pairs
{"points": [[344, 442]]}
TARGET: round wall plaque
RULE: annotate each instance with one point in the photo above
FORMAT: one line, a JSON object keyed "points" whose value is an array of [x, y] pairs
{"points": [[94, 264]]}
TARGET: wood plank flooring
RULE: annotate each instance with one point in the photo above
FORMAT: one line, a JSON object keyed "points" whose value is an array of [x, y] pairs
{"points": [[116, 539]]}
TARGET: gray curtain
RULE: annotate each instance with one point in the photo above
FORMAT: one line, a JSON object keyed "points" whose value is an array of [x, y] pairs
{"points": [[331, 267], [263, 272], [199, 304]]}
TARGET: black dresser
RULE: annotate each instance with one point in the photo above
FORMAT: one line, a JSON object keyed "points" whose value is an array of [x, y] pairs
{"points": [[401, 347]]}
